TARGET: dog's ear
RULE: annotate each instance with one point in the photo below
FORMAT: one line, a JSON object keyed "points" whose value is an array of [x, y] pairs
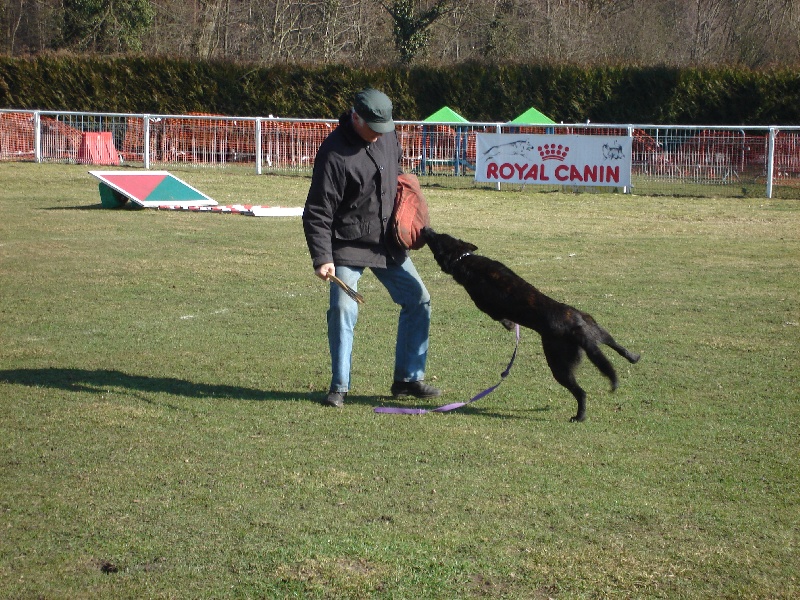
{"points": [[472, 247]]}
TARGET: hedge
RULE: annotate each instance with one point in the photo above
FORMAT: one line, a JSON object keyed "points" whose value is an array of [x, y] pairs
{"points": [[478, 91]]}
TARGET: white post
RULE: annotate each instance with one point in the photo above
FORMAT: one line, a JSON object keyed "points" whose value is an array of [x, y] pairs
{"points": [[258, 145], [146, 121], [499, 130], [626, 189], [37, 133], [770, 160]]}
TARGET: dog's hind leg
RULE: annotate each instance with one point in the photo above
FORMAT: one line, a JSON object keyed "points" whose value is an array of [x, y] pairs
{"points": [[601, 362], [588, 334], [562, 358], [601, 336], [632, 357]]}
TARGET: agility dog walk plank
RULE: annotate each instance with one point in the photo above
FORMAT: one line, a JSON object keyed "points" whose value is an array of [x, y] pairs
{"points": [[148, 188], [277, 211], [241, 209]]}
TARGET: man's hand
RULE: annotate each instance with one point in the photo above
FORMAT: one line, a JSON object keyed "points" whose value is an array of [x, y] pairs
{"points": [[323, 271]]}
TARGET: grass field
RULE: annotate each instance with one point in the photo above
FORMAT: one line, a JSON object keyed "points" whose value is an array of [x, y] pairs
{"points": [[161, 436]]}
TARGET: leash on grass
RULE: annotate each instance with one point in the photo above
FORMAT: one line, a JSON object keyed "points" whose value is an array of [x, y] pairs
{"points": [[396, 410]]}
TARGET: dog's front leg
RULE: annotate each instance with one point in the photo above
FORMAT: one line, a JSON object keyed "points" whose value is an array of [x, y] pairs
{"points": [[563, 357], [580, 396], [508, 324]]}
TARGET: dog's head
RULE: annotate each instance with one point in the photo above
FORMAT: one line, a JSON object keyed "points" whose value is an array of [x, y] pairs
{"points": [[446, 249]]}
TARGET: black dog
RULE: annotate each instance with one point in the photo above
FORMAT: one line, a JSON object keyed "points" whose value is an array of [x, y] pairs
{"points": [[506, 297]]}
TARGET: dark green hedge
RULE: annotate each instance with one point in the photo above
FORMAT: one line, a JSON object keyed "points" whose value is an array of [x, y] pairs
{"points": [[478, 91]]}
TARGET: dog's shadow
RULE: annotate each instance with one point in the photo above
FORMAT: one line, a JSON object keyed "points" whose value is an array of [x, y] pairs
{"points": [[100, 381], [470, 409]]}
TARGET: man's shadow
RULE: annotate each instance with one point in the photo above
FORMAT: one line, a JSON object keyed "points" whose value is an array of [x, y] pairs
{"points": [[100, 381]]}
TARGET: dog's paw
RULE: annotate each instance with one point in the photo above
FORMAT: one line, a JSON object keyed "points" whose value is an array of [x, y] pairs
{"points": [[578, 419]]}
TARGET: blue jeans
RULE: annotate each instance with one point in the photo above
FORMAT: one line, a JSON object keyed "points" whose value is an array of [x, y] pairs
{"points": [[411, 349]]}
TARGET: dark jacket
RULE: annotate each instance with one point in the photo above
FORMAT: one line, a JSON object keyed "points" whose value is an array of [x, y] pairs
{"points": [[351, 199]]}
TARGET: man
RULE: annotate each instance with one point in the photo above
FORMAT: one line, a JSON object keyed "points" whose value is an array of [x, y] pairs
{"points": [[345, 220]]}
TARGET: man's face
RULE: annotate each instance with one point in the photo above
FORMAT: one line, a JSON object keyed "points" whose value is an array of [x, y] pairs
{"points": [[363, 130]]}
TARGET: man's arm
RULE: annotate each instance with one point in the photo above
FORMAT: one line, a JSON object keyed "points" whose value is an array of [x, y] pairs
{"points": [[324, 196]]}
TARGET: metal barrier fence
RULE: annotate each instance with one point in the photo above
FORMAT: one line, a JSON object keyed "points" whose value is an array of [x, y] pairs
{"points": [[672, 160]]}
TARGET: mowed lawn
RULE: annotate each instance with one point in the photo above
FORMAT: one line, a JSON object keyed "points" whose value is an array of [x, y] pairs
{"points": [[161, 434]]}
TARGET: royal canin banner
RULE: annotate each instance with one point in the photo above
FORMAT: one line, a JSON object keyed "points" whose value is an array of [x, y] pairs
{"points": [[579, 160]]}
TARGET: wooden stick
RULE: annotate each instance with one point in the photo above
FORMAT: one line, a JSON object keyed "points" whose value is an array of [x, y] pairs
{"points": [[347, 289]]}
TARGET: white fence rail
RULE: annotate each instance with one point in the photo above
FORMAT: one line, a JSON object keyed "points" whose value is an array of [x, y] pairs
{"points": [[674, 160]]}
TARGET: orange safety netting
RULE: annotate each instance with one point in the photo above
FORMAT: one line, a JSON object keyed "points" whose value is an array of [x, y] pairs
{"points": [[17, 136]]}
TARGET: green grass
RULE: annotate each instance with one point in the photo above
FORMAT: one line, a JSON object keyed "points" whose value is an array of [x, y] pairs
{"points": [[161, 437]]}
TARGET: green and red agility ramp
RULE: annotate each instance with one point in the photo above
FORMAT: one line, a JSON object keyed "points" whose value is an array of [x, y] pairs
{"points": [[147, 188], [163, 191]]}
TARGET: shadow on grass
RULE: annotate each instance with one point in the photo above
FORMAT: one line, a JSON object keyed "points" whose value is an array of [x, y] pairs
{"points": [[127, 206], [101, 381], [470, 409]]}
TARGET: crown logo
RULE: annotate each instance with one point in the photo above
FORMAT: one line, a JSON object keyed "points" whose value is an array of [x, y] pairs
{"points": [[553, 152]]}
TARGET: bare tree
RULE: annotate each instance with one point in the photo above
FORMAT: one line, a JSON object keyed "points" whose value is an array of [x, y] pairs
{"points": [[11, 19], [756, 32], [205, 34], [753, 33], [340, 30], [29, 26]]}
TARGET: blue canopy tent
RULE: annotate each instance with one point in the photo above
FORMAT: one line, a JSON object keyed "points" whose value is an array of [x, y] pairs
{"points": [[444, 116]]}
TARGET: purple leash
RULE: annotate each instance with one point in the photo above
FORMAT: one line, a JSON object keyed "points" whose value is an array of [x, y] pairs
{"points": [[396, 410]]}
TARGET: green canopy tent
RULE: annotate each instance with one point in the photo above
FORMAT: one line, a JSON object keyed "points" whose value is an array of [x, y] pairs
{"points": [[444, 116], [532, 117]]}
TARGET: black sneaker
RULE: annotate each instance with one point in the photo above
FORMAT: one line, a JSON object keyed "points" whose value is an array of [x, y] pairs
{"points": [[335, 399], [417, 389]]}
